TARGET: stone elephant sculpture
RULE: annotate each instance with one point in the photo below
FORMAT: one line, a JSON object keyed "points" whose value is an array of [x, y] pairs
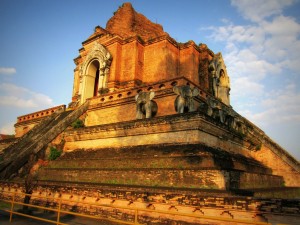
{"points": [[145, 106], [231, 118], [184, 101], [235, 121]]}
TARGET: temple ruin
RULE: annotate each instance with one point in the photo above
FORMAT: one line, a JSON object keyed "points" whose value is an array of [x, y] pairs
{"points": [[157, 129]]}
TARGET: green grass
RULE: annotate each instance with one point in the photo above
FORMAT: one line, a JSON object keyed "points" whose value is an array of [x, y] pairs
{"points": [[77, 124], [54, 153], [4, 205]]}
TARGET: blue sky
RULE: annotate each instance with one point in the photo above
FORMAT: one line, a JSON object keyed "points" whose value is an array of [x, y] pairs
{"points": [[259, 40]]}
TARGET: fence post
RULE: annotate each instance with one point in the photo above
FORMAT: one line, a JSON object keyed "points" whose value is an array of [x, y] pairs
{"points": [[58, 212], [136, 216], [12, 207]]}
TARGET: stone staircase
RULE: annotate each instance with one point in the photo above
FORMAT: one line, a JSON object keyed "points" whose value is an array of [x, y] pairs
{"points": [[192, 166], [17, 154]]}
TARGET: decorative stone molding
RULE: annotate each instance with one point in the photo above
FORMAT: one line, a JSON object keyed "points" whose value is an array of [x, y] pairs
{"points": [[102, 55], [97, 52], [39, 114]]}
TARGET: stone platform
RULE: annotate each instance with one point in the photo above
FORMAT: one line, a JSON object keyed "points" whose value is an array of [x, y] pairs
{"points": [[177, 166]]}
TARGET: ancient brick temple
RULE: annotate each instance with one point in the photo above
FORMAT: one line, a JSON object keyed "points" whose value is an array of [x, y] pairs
{"points": [[156, 129]]}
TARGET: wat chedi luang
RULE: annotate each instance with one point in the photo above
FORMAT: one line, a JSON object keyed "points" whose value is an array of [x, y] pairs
{"points": [[150, 124]]}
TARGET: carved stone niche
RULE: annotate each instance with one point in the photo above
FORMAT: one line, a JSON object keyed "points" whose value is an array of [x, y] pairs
{"points": [[94, 72], [220, 79]]}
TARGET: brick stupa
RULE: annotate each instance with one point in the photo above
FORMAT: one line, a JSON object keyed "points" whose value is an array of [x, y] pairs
{"points": [[153, 128]]}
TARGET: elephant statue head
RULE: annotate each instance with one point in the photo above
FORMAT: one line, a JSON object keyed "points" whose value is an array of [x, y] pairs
{"points": [[144, 105], [184, 101]]}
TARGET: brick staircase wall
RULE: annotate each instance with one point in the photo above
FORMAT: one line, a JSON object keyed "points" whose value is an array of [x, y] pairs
{"points": [[17, 154]]}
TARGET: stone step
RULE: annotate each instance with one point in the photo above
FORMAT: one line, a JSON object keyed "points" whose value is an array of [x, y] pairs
{"points": [[192, 166], [159, 156], [278, 193], [122, 189], [153, 150], [184, 178], [165, 162]]}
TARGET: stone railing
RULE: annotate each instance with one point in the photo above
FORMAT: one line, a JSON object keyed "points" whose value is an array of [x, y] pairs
{"points": [[16, 155], [39, 114], [131, 92]]}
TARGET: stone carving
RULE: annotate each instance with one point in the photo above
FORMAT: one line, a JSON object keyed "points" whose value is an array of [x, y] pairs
{"points": [[239, 125], [231, 118], [224, 114], [214, 109], [220, 79], [184, 101], [145, 106]]}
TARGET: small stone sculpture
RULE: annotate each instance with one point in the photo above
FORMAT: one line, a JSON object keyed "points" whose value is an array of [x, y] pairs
{"points": [[215, 109], [184, 101], [220, 79], [145, 106], [225, 115]]}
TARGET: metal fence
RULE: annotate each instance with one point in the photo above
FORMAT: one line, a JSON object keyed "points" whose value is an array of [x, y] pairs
{"points": [[136, 211]]}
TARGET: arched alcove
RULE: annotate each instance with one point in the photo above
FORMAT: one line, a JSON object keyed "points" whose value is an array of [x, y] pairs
{"points": [[94, 72], [91, 79]]}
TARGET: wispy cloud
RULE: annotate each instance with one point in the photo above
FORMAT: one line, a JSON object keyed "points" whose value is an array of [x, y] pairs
{"points": [[280, 106], [262, 57], [257, 10], [7, 70], [15, 101], [7, 128], [20, 97], [265, 49]]}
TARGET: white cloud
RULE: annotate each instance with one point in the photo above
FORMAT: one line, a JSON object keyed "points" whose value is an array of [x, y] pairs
{"points": [[243, 86], [17, 102], [262, 57], [268, 44], [282, 45], [245, 63], [7, 70], [257, 10], [20, 97], [282, 26], [262, 46], [281, 106], [7, 128], [258, 52]]}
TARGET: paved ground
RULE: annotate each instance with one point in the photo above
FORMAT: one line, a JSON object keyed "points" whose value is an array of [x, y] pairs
{"points": [[68, 219]]}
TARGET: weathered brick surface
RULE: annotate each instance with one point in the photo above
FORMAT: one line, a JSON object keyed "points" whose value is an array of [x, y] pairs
{"points": [[5, 143], [28, 121], [127, 22], [185, 166], [146, 58], [149, 62], [18, 154], [272, 156], [212, 179]]}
